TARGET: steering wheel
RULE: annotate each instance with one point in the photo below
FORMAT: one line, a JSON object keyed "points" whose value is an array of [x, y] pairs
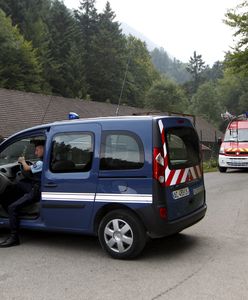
{"points": [[4, 182], [26, 174]]}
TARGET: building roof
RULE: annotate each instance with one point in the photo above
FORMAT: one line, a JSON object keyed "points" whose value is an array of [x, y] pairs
{"points": [[21, 110]]}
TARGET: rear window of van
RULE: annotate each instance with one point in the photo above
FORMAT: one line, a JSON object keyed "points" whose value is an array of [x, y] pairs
{"points": [[183, 147]]}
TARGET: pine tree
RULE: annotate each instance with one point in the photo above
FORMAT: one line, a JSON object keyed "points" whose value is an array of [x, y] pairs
{"points": [[141, 72], [66, 75], [19, 65], [195, 67], [108, 59], [31, 18], [87, 18]]}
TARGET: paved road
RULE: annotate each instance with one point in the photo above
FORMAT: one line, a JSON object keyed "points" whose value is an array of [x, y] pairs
{"points": [[206, 261]]}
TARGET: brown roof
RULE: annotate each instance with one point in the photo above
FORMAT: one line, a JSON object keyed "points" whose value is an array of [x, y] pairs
{"points": [[20, 110]]}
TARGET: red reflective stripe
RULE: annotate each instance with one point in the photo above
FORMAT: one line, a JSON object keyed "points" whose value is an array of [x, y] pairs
{"points": [[189, 176], [180, 176], [163, 137], [169, 179]]}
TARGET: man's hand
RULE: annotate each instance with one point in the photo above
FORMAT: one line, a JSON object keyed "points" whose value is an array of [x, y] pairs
{"points": [[22, 161]]}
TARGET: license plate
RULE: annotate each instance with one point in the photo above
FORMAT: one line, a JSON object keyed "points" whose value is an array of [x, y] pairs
{"points": [[180, 193]]}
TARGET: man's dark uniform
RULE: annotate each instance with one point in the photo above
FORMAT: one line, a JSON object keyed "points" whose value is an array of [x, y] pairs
{"points": [[31, 188]]}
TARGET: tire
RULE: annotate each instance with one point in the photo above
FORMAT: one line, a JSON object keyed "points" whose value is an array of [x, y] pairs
{"points": [[222, 169], [121, 234]]}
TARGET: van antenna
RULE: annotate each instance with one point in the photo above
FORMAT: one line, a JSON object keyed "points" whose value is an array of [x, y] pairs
{"points": [[123, 84], [46, 110]]}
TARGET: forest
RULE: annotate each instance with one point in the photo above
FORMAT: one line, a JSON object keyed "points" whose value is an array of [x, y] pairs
{"points": [[47, 48]]}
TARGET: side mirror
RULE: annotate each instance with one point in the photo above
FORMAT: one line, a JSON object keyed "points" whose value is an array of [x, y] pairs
{"points": [[219, 141]]}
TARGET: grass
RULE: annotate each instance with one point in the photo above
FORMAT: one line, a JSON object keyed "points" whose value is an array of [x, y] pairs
{"points": [[210, 166]]}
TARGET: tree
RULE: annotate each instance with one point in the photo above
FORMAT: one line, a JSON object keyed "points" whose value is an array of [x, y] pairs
{"points": [[195, 67], [214, 73], [87, 18], [165, 95], [141, 72], [172, 68], [66, 67], [19, 64], [108, 59], [237, 60], [205, 103], [232, 91], [31, 18]]}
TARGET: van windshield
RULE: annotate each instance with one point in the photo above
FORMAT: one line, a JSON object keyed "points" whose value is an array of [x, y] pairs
{"points": [[183, 147], [236, 135]]}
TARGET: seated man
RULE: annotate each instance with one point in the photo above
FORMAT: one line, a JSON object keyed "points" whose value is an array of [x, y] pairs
{"points": [[31, 189]]}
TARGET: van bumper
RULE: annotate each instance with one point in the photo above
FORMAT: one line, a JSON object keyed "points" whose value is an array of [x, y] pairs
{"points": [[161, 228], [233, 161]]}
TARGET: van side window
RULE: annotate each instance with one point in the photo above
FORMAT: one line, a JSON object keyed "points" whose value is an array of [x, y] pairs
{"points": [[121, 151], [71, 152], [24, 147]]}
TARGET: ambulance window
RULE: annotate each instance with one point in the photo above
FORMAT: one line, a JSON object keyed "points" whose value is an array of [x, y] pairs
{"points": [[71, 152], [183, 147], [121, 151]]}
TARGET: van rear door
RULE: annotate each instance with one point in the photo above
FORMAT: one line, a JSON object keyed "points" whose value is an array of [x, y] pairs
{"points": [[183, 178]]}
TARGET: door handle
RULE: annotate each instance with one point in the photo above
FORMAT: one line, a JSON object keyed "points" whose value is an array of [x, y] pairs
{"points": [[50, 184]]}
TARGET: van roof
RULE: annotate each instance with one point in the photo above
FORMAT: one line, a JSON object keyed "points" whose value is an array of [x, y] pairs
{"points": [[99, 120]]}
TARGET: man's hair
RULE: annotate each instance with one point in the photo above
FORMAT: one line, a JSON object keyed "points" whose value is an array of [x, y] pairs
{"points": [[39, 143]]}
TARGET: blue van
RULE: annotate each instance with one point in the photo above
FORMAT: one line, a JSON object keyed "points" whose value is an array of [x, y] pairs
{"points": [[119, 178]]}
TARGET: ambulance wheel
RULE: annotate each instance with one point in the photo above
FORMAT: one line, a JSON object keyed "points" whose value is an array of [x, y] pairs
{"points": [[121, 234], [222, 169]]}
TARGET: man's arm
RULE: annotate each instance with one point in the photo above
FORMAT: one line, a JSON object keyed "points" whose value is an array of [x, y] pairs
{"points": [[22, 161]]}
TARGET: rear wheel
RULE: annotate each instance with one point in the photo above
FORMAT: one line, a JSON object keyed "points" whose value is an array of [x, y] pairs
{"points": [[222, 169], [121, 234]]}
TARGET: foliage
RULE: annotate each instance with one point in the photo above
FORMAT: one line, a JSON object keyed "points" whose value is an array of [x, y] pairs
{"points": [[195, 67], [214, 73], [205, 103], [19, 64], [66, 68], [31, 19], [167, 96], [171, 68], [105, 75], [237, 18], [233, 91], [141, 72], [210, 166], [84, 54]]}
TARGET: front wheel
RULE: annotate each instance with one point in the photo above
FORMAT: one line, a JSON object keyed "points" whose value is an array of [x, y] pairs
{"points": [[222, 169], [121, 234]]}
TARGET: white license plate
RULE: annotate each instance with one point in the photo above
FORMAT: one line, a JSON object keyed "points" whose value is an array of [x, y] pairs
{"points": [[180, 193]]}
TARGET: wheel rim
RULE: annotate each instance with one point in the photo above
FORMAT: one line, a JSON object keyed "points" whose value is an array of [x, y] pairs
{"points": [[118, 235]]}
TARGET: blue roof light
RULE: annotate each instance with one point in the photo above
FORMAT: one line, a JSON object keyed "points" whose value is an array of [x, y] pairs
{"points": [[73, 115]]}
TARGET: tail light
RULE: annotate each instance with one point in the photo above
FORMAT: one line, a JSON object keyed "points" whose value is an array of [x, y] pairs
{"points": [[158, 165], [163, 213]]}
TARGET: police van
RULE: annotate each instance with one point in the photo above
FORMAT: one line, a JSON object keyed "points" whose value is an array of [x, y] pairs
{"points": [[122, 179]]}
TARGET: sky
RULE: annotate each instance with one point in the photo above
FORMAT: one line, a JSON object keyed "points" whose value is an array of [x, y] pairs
{"points": [[179, 26]]}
